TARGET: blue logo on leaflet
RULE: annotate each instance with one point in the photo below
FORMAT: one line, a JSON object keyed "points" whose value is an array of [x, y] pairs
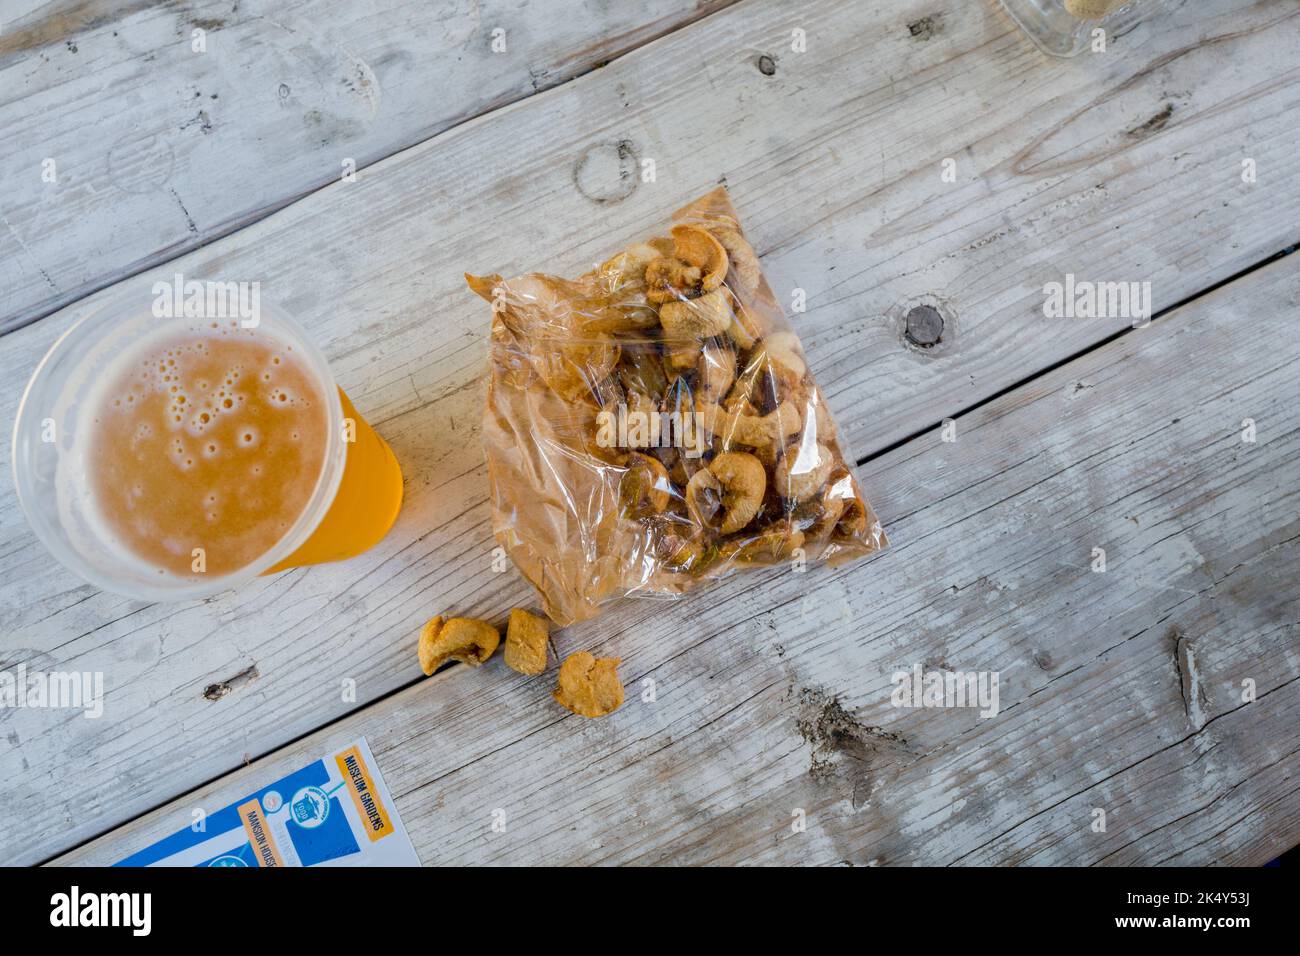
{"points": [[317, 824], [310, 807]]}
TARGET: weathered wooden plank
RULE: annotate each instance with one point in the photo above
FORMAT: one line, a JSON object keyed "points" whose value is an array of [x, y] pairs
{"points": [[769, 701], [373, 268], [158, 147]]}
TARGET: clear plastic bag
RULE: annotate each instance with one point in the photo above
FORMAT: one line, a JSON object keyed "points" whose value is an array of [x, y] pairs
{"points": [[652, 424]]}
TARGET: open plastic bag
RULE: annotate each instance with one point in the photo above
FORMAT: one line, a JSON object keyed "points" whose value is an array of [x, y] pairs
{"points": [[652, 424]]}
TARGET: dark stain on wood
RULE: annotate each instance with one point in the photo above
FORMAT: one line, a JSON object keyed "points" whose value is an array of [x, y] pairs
{"points": [[844, 749], [1152, 126], [926, 28], [607, 173]]}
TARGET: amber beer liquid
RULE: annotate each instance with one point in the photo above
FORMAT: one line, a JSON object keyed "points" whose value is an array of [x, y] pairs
{"points": [[198, 454], [207, 446]]}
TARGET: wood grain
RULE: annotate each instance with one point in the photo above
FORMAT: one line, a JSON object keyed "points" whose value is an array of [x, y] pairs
{"points": [[835, 163], [159, 148], [772, 695]]}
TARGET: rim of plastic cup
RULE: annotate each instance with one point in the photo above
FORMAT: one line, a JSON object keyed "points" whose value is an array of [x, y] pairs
{"points": [[327, 482]]}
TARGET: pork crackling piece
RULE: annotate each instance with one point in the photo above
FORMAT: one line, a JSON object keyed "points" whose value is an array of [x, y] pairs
{"points": [[740, 254], [803, 472], [589, 686], [728, 493], [463, 639], [526, 637], [697, 266]]}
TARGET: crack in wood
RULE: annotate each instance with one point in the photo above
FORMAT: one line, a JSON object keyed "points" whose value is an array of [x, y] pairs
{"points": [[222, 688], [1189, 678]]}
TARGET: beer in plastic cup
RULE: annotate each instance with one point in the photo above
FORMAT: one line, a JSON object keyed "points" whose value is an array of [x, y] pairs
{"points": [[174, 458]]}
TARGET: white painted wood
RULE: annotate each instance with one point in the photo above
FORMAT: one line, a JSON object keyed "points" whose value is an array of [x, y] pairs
{"points": [[159, 148], [773, 695], [373, 268]]}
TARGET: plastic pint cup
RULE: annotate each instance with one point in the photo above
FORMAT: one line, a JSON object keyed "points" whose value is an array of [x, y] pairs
{"points": [[173, 458]]}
